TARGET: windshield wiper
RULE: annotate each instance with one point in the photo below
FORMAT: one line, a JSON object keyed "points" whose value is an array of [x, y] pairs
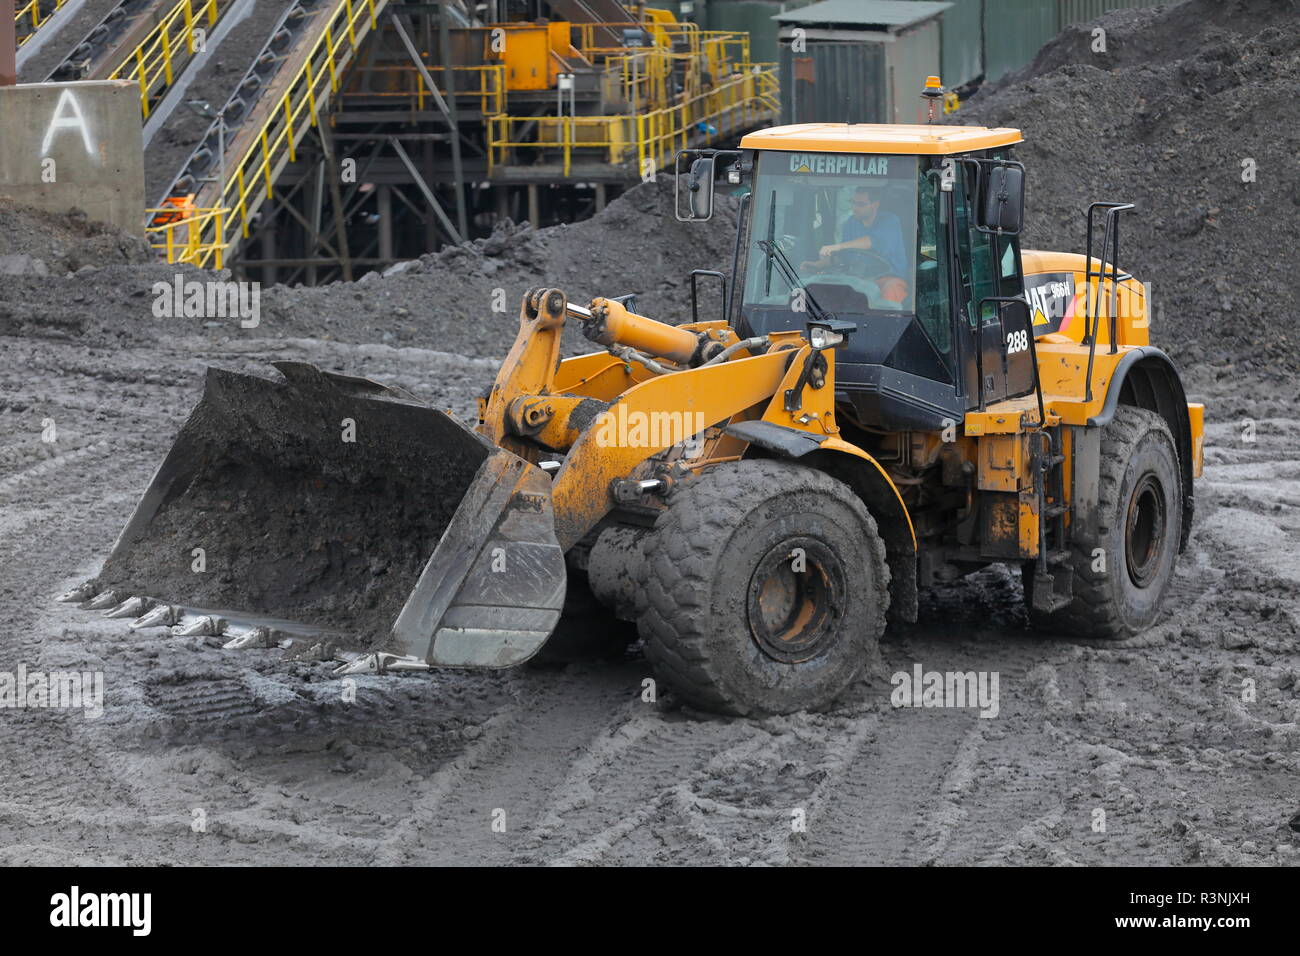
{"points": [[788, 273]]}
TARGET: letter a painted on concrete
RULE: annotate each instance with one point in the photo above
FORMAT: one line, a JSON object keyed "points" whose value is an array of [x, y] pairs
{"points": [[67, 115]]}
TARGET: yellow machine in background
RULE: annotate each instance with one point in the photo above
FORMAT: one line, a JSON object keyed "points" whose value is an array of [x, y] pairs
{"points": [[626, 92], [893, 395]]}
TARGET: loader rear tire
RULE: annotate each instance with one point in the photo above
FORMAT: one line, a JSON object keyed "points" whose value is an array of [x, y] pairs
{"points": [[734, 619], [1139, 512]]}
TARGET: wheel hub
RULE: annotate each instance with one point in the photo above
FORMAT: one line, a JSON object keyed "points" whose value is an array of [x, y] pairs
{"points": [[1144, 531], [794, 596]]}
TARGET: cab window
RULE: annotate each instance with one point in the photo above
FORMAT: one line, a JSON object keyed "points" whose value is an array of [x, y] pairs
{"points": [[844, 224]]}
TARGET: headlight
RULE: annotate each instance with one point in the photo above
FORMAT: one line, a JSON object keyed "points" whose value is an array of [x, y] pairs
{"points": [[820, 338]]}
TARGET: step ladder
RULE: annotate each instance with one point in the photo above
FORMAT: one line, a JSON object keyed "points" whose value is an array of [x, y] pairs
{"points": [[1054, 570]]}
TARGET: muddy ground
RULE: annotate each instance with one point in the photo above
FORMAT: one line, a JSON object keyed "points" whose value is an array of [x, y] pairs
{"points": [[224, 757], [284, 770]]}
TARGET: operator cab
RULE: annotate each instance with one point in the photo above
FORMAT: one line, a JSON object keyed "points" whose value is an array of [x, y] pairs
{"points": [[888, 227]]}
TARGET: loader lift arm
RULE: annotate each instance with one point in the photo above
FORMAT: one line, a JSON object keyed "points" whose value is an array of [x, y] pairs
{"points": [[651, 368]]}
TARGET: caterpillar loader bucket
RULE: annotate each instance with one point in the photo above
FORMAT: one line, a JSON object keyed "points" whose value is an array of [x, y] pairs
{"points": [[335, 512]]}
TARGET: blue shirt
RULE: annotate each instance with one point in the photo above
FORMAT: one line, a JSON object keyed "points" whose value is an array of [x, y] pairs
{"points": [[886, 235]]}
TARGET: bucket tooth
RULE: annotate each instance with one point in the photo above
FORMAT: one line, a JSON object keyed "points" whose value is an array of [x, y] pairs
{"points": [[163, 615], [205, 626], [257, 637], [83, 592], [103, 600], [311, 650], [381, 662], [131, 607]]}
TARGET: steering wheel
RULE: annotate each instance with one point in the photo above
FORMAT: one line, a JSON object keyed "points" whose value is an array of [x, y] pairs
{"points": [[868, 267], [860, 262]]}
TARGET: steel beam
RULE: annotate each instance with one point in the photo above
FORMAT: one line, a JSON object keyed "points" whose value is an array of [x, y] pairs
{"points": [[429, 197]]}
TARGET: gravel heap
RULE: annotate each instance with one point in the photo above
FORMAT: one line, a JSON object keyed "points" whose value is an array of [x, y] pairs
{"points": [[1186, 104], [463, 300]]}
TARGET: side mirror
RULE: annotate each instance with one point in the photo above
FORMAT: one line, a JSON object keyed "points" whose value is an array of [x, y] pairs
{"points": [[694, 171], [1004, 200], [699, 189]]}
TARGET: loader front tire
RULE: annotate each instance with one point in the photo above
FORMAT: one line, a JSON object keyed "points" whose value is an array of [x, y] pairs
{"points": [[1122, 572], [765, 589]]}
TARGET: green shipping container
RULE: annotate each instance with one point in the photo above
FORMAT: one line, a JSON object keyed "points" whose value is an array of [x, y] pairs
{"points": [[859, 61], [748, 16], [962, 60], [833, 82]]}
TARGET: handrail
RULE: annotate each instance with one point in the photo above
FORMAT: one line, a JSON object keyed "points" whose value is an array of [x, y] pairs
{"points": [[250, 178], [486, 82], [737, 102], [32, 12], [1109, 258], [153, 63], [188, 239]]}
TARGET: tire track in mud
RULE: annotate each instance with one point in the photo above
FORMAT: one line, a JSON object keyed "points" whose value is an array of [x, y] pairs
{"points": [[681, 824], [484, 804], [1153, 731], [62, 510], [922, 785], [62, 495], [870, 815], [1146, 728], [55, 776], [649, 785]]}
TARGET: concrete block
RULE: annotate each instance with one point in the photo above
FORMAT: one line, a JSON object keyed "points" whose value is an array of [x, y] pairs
{"points": [[75, 145]]}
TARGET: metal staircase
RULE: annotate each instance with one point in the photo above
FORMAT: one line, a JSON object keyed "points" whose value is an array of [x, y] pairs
{"points": [[258, 132]]}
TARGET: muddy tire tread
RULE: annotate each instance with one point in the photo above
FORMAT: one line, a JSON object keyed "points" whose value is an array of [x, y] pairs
{"points": [[1093, 613], [677, 572]]}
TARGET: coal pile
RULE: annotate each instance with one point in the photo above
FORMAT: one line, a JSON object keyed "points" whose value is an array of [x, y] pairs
{"points": [[465, 299], [1190, 114], [34, 242]]}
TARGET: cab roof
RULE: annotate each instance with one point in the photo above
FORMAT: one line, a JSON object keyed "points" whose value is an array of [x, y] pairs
{"points": [[880, 138]]}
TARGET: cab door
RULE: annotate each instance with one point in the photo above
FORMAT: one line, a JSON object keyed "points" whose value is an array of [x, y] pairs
{"points": [[996, 355]]}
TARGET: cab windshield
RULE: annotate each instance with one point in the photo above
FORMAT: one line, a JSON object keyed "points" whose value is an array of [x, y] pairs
{"points": [[846, 224]]}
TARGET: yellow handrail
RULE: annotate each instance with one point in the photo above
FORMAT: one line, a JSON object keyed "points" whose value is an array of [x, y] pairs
{"points": [[33, 14], [250, 179], [484, 82], [740, 101], [190, 239], [154, 62], [662, 35]]}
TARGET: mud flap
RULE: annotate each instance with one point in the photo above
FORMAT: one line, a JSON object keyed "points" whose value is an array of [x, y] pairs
{"points": [[328, 503]]}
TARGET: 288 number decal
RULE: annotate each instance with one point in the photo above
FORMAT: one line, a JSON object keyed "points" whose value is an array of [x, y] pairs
{"points": [[1017, 341]]}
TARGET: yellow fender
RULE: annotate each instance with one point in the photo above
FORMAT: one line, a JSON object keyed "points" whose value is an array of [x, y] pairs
{"points": [[899, 509]]}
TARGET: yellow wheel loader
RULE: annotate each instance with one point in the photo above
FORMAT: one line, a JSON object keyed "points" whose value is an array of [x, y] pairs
{"points": [[892, 394]]}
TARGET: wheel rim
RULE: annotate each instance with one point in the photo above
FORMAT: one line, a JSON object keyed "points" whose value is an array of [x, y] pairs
{"points": [[793, 613], [1145, 531]]}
